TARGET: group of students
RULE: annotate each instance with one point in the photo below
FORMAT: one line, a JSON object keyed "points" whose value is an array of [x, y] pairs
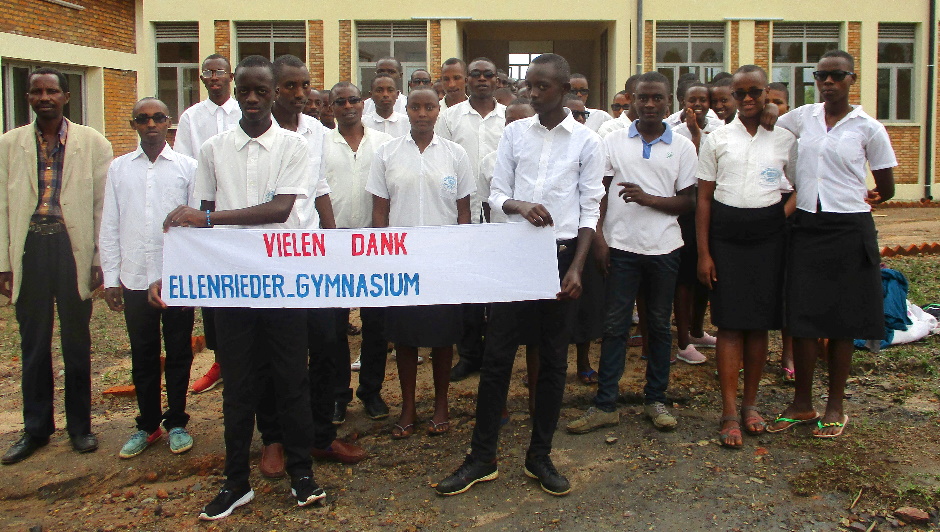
{"points": [[649, 210]]}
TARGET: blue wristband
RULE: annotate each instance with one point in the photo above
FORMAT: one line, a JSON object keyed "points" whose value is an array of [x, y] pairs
{"points": [[208, 219]]}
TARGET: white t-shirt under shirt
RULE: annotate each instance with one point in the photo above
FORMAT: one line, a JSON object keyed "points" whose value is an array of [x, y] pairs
{"points": [[747, 171], [831, 164], [422, 188], [347, 173], [662, 168]]}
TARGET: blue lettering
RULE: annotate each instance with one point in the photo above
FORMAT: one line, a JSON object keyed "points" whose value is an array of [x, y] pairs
{"points": [[412, 281], [266, 286], [391, 284], [226, 288], [192, 293], [361, 286], [201, 283], [335, 283], [317, 282], [377, 285], [242, 286], [348, 283], [174, 287], [212, 285], [255, 283], [303, 289]]}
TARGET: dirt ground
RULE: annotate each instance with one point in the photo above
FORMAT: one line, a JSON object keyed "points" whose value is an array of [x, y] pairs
{"points": [[630, 477]]}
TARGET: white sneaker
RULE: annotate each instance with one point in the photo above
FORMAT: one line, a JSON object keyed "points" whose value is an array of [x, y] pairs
{"points": [[706, 340], [357, 365], [636, 317], [420, 360], [691, 355]]}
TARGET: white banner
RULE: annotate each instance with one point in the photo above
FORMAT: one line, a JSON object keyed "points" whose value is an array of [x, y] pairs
{"points": [[359, 267]]}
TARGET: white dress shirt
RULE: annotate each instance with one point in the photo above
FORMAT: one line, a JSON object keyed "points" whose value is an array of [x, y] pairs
{"points": [[423, 188], [661, 168], [201, 122], [305, 215], [673, 120], [137, 198], [347, 173], [237, 171], [401, 104], [561, 168], [747, 170], [831, 165], [484, 179], [710, 125], [396, 125], [479, 135], [596, 118], [610, 126]]}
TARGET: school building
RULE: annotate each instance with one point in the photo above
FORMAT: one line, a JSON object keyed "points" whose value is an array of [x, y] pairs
{"points": [[116, 50]]}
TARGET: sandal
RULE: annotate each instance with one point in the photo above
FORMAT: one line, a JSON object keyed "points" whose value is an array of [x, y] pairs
{"points": [[726, 434], [400, 433], [789, 375], [750, 421], [790, 422], [436, 429], [841, 425], [588, 377]]}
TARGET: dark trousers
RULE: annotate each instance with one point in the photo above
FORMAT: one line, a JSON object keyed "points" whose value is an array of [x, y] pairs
{"points": [[374, 354], [208, 328], [248, 339], [471, 344], [337, 350], [502, 341], [143, 329], [49, 276]]}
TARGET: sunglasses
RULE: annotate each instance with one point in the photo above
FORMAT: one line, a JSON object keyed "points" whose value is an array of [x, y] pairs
{"points": [[421, 81], [580, 91], [836, 75], [618, 106], [754, 93], [352, 100], [208, 73], [157, 118], [581, 114], [488, 74]]}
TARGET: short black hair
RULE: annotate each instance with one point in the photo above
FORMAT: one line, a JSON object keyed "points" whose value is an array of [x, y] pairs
{"points": [[146, 99], [217, 56], [621, 93], [255, 61], [453, 61], [560, 64], [482, 58], [777, 86], [685, 81], [382, 76], [423, 88], [843, 54], [344, 85], [286, 60], [578, 76], [630, 85], [520, 101], [720, 76], [419, 70], [722, 82], [694, 84], [63, 81], [653, 77], [389, 58], [748, 69]]}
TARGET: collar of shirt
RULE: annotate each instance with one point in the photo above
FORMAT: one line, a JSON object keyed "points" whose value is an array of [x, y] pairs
{"points": [[648, 146], [266, 139], [819, 111], [229, 106], [167, 153], [338, 137], [567, 123], [434, 140], [498, 110], [63, 131], [394, 117]]}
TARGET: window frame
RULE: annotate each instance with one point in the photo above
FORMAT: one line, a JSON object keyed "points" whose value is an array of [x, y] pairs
{"points": [[694, 33], [272, 37], [397, 32], [804, 40], [180, 67], [10, 98], [893, 69]]}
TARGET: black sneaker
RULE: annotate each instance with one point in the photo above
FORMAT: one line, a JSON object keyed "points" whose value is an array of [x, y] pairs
{"points": [[542, 468], [462, 370], [227, 500], [375, 407], [339, 413], [471, 472], [306, 491]]}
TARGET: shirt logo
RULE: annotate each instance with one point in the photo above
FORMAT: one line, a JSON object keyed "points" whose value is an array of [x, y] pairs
{"points": [[449, 183], [770, 177], [669, 155]]}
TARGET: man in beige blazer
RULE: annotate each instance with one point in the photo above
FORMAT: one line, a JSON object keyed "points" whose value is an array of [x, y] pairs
{"points": [[52, 181]]}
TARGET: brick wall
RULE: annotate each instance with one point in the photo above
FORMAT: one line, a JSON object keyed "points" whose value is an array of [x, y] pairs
{"points": [[854, 47], [106, 24], [120, 95], [435, 60], [735, 40], [345, 50], [648, 46], [906, 143], [315, 47], [223, 39], [762, 44]]}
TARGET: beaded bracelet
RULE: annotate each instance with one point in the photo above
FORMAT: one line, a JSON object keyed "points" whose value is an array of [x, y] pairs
{"points": [[208, 219]]}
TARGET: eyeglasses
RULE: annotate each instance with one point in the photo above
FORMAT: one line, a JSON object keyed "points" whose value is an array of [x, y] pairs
{"points": [[488, 74], [581, 114], [352, 100], [618, 106], [580, 91], [158, 118], [741, 94], [208, 73], [421, 81], [836, 75]]}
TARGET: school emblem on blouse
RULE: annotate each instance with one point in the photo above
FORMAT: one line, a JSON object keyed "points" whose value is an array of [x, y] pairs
{"points": [[449, 183], [770, 177]]}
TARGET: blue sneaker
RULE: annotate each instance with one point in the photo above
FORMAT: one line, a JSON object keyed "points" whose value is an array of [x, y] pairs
{"points": [[138, 442], [180, 440]]}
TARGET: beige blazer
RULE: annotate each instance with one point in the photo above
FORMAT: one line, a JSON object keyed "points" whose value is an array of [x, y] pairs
{"points": [[87, 157]]}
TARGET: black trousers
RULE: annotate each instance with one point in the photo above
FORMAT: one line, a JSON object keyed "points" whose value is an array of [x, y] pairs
{"points": [[247, 340], [338, 352], [554, 319], [143, 329], [373, 358], [49, 276], [471, 344]]}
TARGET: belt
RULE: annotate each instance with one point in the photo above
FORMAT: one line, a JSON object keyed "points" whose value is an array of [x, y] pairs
{"points": [[46, 228], [566, 245]]}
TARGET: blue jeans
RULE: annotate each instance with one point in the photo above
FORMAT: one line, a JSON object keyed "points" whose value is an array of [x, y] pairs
{"points": [[630, 273]]}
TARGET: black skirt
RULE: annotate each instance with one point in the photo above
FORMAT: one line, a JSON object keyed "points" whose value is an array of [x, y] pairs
{"points": [[834, 277], [748, 246], [424, 326]]}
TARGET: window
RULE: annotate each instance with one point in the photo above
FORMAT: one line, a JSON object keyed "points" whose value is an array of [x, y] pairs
{"points": [[689, 48], [895, 71], [796, 50], [16, 110], [405, 41], [271, 39], [177, 65], [519, 64]]}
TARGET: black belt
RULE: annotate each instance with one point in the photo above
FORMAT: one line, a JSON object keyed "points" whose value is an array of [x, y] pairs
{"points": [[46, 226], [569, 245]]}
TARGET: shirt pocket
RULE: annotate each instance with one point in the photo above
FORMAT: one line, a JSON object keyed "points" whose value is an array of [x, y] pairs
{"points": [[851, 148], [769, 175], [174, 194], [448, 187]]}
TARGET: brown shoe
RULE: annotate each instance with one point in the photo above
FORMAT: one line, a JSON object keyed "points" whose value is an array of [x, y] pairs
{"points": [[340, 451], [272, 460]]}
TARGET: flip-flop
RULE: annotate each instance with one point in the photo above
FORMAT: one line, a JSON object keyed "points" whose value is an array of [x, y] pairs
{"points": [[747, 426], [841, 426], [725, 434], [588, 377], [434, 429], [789, 375], [790, 422], [403, 432]]}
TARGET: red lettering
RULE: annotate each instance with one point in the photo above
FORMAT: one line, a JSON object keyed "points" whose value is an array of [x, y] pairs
{"points": [[358, 244], [319, 244], [373, 248], [293, 243], [400, 244], [388, 240], [269, 243], [280, 245], [285, 238], [305, 244]]}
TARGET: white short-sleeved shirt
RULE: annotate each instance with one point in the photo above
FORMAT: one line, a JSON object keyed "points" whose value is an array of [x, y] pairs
{"points": [[747, 170], [710, 125], [484, 178], [305, 215], [237, 171], [661, 168], [203, 121], [396, 125], [613, 125], [596, 118], [673, 120], [422, 188], [368, 105], [479, 135], [561, 168], [831, 164], [138, 196], [348, 172]]}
